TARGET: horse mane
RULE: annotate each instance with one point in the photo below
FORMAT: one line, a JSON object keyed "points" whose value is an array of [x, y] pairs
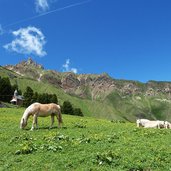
{"points": [[28, 111], [25, 114]]}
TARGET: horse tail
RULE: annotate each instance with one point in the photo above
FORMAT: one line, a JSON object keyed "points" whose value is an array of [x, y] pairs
{"points": [[59, 115]]}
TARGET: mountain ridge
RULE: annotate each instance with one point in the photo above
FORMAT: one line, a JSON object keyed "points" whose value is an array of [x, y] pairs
{"points": [[94, 86]]}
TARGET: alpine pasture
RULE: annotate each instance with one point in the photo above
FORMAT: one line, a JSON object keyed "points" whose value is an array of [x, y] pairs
{"points": [[82, 144]]}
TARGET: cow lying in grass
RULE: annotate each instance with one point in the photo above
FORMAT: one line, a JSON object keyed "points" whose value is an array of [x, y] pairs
{"points": [[153, 124]]}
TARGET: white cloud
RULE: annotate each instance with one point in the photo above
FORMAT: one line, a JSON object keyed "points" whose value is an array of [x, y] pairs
{"points": [[41, 5], [66, 67], [28, 40], [1, 30], [74, 70]]}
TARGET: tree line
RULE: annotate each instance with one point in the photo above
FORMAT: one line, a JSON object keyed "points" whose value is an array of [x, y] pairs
{"points": [[30, 97], [7, 92]]}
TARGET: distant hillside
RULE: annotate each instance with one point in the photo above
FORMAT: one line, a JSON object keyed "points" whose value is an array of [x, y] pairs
{"points": [[97, 95]]}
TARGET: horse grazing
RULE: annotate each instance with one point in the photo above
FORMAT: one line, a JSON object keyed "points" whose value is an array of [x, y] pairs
{"points": [[167, 125], [152, 124], [41, 110], [142, 122]]}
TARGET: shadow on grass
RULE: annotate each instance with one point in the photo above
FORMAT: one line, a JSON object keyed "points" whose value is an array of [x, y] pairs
{"points": [[41, 128]]}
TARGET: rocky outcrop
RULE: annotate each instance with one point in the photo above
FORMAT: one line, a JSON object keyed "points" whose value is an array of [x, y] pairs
{"points": [[27, 68], [30, 63], [52, 77], [90, 86], [70, 81]]}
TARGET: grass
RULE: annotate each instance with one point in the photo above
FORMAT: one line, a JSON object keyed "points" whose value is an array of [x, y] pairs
{"points": [[82, 144]]}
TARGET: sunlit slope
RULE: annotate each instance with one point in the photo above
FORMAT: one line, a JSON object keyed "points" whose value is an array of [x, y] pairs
{"points": [[112, 106]]}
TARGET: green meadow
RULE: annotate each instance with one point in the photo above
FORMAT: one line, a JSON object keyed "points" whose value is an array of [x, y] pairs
{"points": [[82, 144]]}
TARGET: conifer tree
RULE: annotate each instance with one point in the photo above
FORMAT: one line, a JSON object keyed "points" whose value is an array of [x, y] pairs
{"points": [[28, 97], [67, 108], [6, 90]]}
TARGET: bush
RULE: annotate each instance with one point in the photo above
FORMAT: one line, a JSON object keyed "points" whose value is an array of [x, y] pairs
{"points": [[67, 108], [78, 112]]}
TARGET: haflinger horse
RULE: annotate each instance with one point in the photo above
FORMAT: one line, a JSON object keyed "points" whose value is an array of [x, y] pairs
{"points": [[142, 122], [167, 125], [155, 124], [152, 124], [41, 110]]}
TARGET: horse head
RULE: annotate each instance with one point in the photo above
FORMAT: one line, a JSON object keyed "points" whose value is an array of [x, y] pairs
{"points": [[23, 123]]}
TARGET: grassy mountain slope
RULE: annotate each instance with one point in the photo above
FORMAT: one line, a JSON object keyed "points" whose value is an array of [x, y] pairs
{"points": [[97, 95], [88, 107]]}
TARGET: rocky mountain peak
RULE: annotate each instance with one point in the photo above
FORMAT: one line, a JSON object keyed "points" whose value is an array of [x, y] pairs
{"points": [[29, 63], [27, 68]]}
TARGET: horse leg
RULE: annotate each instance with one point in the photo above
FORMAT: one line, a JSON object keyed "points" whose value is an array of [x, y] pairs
{"points": [[52, 120], [57, 117], [34, 122], [158, 126]]}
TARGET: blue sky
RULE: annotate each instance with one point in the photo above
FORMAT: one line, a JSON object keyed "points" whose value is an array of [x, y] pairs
{"points": [[128, 39]]}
